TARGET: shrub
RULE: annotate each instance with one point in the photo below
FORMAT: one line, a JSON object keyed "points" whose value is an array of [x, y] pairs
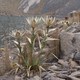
{"points": [[31, 47]]}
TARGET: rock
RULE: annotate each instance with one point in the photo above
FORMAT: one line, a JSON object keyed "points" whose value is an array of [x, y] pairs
{"points": [[77, 57], [53, 78], [74, 28], [66, 43], [7, 77], [77, 67], [44, 74], [70, 44], [63, 76], [63, 63], [72, 63], [35, 78], [50, 76], [18, 78], [75, 75], [54, 67]]}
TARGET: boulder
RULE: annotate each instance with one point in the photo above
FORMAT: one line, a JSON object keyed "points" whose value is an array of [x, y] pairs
{"points": [[35, 78], [70, 42], [66, 43]]}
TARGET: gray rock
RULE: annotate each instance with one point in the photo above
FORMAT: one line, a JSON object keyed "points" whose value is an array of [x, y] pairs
{"points": [[66, 43], [18, 78], [35, 78], [63, 76], [74, 28], [70, 44], [53, 67], [51, 76], [75, 75], [77, 57]]}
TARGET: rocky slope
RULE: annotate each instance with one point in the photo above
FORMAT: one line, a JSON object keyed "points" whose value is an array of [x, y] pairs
{"points": [[18, 7], [9, 7], [60, 7]]}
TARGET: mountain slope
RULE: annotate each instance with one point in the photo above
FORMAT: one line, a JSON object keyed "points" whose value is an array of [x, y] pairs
{"points": [[33, 7], [9, 7], [60, 7]]}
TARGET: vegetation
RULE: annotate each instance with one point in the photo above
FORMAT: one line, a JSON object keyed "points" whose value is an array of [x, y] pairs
{"points": [[31, 46]]}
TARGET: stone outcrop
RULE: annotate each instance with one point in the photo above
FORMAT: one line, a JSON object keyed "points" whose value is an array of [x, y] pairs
{"points": [[70, 42]]}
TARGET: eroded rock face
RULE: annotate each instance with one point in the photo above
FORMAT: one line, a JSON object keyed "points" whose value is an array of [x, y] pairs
{"points": [[70, 44], [66, 43]]}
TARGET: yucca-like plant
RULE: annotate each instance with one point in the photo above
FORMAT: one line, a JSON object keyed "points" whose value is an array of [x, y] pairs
{"points": [[30, 56], [48, 22]]}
